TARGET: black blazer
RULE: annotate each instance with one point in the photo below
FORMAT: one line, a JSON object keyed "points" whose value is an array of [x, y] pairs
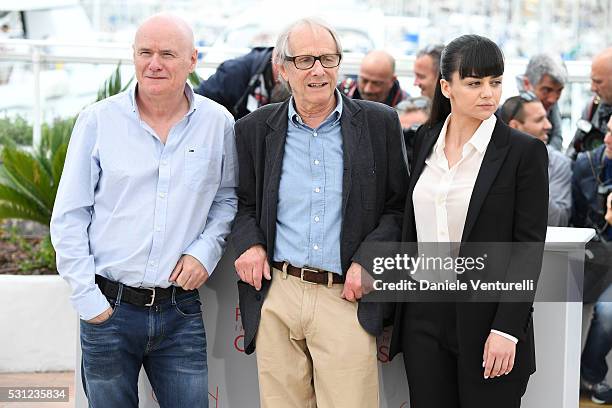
{"points": [[509, 203], [373, 192]]}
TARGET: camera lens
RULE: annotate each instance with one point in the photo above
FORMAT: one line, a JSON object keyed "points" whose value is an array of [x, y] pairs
{"points": [[592, 140]]}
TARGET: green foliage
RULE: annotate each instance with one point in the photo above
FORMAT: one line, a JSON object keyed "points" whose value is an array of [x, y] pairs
{"points": [[29, 178], [36, 255], [112, 85], [41, 255], [16, 130], [194, 79]]}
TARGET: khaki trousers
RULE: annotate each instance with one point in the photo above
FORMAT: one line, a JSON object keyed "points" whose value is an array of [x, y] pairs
{"points": [[311, 349]]}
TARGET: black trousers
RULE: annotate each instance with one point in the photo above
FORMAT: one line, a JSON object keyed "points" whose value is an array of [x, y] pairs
{"points": [[431, 362]]}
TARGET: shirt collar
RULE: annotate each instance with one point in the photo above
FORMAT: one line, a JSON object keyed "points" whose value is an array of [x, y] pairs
{"points": [[295, 118], [483, 134], [479, 140], [188, 92]]}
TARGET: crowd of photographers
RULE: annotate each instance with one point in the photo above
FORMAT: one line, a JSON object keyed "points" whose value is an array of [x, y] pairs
{"points": [[580, 176]]}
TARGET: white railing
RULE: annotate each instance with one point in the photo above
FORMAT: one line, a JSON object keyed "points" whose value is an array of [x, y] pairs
{"points": [[40, 52]]}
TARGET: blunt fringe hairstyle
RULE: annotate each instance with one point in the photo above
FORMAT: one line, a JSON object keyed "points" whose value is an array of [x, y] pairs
{"points": [[470, 56]]}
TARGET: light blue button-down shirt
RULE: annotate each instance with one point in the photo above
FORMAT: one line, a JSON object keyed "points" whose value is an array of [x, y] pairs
{"points": [[309, 215], [128, 206]]}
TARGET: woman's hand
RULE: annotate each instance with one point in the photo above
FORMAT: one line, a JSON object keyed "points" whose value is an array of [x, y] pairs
{"points": [[498, 356]]}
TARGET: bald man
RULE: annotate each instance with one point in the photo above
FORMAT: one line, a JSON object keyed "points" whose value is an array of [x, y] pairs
{"points": [[598, 110], [145, 202], [377, 81], [601, 76]]}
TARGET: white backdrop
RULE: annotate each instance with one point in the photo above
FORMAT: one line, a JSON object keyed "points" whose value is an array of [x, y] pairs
{"points": [[232, 374]]}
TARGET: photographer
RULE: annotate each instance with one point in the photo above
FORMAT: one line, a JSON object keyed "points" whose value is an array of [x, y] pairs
{"points": [[245, 83], [526, 113], [427, 69], [591, 184], [592, 127], [591, 188], [377, 81], [546, 76]]}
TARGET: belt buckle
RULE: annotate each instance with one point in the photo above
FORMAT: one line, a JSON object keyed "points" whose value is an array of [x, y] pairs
{"points": [[152, 297], [302, 275]]}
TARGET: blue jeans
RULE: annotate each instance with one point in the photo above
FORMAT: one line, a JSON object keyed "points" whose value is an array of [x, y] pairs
{"points": [[593, 366], [167, 339]]}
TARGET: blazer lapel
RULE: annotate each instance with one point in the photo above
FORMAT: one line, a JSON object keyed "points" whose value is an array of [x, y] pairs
{"points": [[430, 137], [275, 148], [351, 127], [494, 157]]}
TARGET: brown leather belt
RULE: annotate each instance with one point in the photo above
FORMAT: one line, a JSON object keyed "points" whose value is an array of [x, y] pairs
{"points": [[310, 275]]}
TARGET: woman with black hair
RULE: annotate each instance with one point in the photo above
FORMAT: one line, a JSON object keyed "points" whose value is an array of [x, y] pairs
{"points": [[473, 180]]}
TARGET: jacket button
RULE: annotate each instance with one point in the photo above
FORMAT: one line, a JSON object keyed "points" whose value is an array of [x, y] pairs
{"points": [[258, 297]]}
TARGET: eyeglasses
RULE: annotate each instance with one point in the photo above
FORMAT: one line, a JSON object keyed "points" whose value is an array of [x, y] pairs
{"points": [[524, 97], [307, 61]]}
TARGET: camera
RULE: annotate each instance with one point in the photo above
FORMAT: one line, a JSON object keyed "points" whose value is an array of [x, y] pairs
{"points": [[603, 190], [588, 137]]}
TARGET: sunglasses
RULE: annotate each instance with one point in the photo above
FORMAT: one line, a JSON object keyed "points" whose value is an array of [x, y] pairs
{"points": [[524, 97]]}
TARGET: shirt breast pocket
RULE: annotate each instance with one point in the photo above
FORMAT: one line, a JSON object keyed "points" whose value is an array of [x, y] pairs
{"points": [[202, 169]]}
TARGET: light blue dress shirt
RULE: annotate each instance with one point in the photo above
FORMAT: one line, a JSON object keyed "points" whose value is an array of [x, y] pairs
{"points": [[309, 215], [128, 206]]}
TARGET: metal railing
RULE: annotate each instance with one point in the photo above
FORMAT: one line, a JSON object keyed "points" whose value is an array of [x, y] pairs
{"points": [[41, 52]]}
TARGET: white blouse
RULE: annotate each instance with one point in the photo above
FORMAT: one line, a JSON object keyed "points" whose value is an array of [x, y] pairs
{"points": [[442, 195]]}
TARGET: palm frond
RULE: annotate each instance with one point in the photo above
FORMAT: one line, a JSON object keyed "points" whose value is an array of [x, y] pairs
{"points": [[27, 173], [29, 179], [112, 85], [54, 137], [57, 164], [13, 196], [12, 211], [194, 79]]}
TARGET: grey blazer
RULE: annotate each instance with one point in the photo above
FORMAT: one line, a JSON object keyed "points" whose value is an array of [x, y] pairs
{"points": [[374, 188]]}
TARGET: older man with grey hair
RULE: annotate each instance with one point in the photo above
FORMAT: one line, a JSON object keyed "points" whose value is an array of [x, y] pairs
{"points": [[546, 76], [320, 175]]}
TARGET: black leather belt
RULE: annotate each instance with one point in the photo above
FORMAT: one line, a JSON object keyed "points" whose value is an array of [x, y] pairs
{"points": [[138, 296], [310, 275]]}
